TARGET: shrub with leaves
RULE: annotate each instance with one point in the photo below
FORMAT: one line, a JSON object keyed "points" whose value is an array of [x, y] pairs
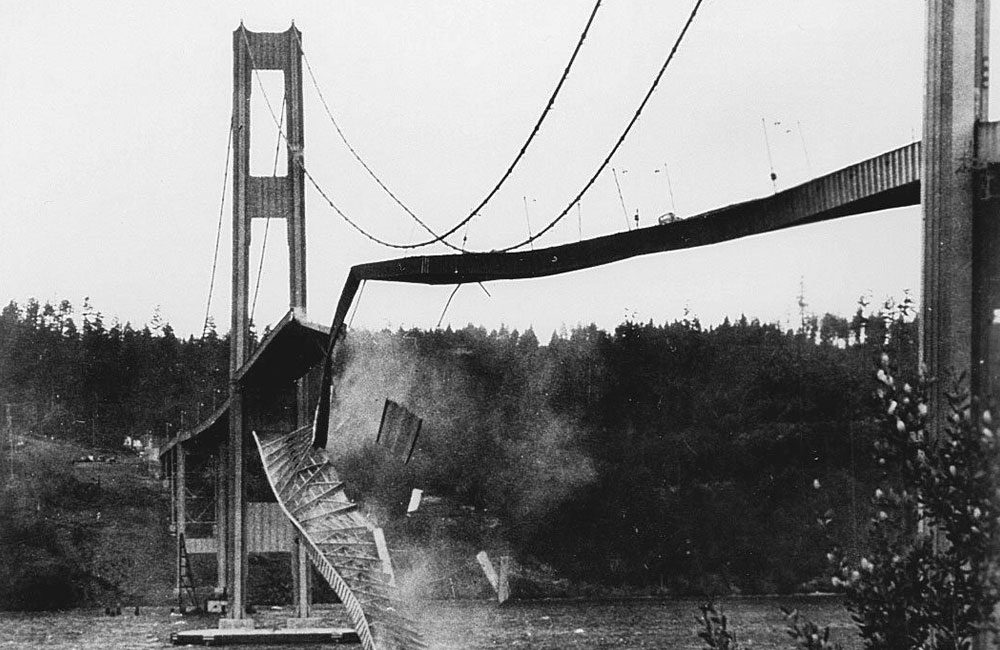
{"points": [[716, 633], [927, 581], [806, 634]]}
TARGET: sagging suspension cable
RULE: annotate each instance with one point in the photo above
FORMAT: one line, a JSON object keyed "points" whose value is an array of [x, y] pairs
{"points": [[600, 169], [218, 230], [496, 188], [621, 139], [301, 165], [267, 220], [354, 152]]}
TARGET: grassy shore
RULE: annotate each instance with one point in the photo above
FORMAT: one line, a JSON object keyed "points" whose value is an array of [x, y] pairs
{"points": [[82, 533]]}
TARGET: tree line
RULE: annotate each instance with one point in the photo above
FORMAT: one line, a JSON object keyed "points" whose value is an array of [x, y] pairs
{"points": [[695, 458], [95, 382], [700, 460]]}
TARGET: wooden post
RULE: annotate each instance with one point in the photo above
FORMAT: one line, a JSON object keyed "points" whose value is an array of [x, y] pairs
{"points": [[171, 469], [503, 580], [301, 574], [221, 521], [301, 583], [180, 498]]}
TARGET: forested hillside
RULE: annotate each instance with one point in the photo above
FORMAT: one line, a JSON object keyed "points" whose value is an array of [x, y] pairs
{"points": [[669, 455], [95, 382]]}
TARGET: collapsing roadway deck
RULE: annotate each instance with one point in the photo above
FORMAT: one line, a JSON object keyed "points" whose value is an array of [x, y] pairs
{"points": [[344, 547], [891, 180]]}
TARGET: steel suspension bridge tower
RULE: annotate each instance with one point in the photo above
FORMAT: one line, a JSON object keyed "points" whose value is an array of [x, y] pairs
{"points": [[260, 197]]}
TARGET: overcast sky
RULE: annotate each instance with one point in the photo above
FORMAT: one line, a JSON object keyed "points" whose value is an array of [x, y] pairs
{"points": [[116, 116]]}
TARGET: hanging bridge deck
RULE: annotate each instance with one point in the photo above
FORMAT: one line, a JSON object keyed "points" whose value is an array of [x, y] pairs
{"points": [[890, 180]]}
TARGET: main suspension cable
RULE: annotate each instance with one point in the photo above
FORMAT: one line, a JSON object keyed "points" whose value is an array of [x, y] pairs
{"points": [[350, 147], [563, 213], [496, 188], [301, 165], [621, 139]]}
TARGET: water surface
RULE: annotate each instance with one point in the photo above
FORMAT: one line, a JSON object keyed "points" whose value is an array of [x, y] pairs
{"points": [[466, 625]]}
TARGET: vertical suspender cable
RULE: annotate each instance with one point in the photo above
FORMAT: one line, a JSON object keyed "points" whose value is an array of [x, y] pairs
{"points": [[448, 304], [218, 230], [770, 161], [267, 219], [527, 218], [357, 303], [614, 173], [670, 189], [805, 150]]}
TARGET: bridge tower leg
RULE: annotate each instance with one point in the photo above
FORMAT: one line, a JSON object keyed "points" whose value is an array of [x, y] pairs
{"points": [[960, 317], [955, 271], [258, 197]]}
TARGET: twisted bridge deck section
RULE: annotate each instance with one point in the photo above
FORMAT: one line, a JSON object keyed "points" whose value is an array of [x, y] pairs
{"points": [[339, 540]]}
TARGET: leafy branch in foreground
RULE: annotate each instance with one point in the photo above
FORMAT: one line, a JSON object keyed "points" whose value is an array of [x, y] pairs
{"points": [[928, 580], [716, 633], [806, 634]]}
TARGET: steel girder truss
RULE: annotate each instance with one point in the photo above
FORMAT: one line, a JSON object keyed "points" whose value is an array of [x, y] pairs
{"points": [[339, 540]]}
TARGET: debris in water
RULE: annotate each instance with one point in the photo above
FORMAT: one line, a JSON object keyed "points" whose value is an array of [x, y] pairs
{"points": [[491, 574], [415, 497], [499, 581]]}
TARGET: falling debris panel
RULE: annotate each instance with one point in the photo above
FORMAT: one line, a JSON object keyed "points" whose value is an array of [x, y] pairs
{"points": [[398, 430]]}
